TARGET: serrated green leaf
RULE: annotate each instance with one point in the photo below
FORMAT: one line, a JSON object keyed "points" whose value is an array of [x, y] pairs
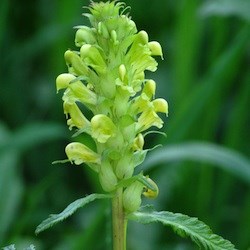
{"points": [[68, 211], [184, 226]]}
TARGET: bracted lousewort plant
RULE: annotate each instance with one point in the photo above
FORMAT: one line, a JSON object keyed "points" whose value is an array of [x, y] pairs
{"points": [[107, 75]]}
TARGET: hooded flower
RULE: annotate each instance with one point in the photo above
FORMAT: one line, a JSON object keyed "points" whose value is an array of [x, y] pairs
{"points": [[79, 153]]}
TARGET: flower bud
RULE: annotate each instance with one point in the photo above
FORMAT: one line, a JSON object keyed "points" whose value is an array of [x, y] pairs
{"points": [[102, 128], [122, 71], [84, 35], [102, 29], [149, 88], [160, 105], [155, 49], [142, 37], [114, 37], [132, 197], [124, 168], [79, 153], [107, 177], [63, 80]]}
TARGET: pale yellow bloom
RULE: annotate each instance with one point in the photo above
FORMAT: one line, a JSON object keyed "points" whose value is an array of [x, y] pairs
{"points": [[79, 153], [102, 128]]}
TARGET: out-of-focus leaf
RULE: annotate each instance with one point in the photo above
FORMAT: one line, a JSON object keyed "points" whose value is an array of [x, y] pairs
{"points": [[33, 134], [4, 8], [222, 69], [11, 190], [10, 247], [239, 8], [224, 158], [68, 211], [4, 134], [31, 247], [184, 226]]}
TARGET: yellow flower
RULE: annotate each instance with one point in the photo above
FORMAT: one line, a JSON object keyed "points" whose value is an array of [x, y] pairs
{"points": [[102, 128], [79, 153], [148, 119], [77, 119]]}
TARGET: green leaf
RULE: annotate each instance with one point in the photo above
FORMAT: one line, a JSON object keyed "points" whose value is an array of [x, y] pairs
{"points": [[68, 211], [219, 156], [34, 134], [184, 226]]}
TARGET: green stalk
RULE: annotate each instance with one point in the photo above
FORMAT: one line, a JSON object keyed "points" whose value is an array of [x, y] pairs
{"points": [[119, 222]]}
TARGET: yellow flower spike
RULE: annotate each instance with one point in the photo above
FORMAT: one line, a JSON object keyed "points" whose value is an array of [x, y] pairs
{"points": [[75, 64], [63, 80], [107, 177], [160, 105], [132, 197], [102, 128], [79, 153], [149, 88], [155, 49], [138, 142], [149, 193], [77, 119]]}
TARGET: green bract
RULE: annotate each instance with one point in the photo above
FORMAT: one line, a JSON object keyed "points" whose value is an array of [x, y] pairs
{"points": [[107, 75]]}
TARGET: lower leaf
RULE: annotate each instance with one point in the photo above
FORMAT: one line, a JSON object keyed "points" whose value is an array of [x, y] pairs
{"points": [[68, 211], [184, 226]]}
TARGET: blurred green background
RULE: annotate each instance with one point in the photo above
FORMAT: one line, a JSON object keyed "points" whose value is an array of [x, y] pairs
{"points": [[203, 167]]}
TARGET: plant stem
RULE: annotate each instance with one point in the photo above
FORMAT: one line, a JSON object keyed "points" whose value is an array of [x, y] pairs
{"points": [[119, 222]]}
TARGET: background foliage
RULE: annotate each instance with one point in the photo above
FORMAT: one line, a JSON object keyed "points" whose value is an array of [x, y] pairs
{"points": [[203, 167]]}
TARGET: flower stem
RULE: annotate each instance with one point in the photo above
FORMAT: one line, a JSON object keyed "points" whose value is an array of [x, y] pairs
{"points": [[119, 222]]}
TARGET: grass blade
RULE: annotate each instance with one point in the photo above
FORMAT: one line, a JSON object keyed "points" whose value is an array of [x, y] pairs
{"points": [[224, 158]]}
